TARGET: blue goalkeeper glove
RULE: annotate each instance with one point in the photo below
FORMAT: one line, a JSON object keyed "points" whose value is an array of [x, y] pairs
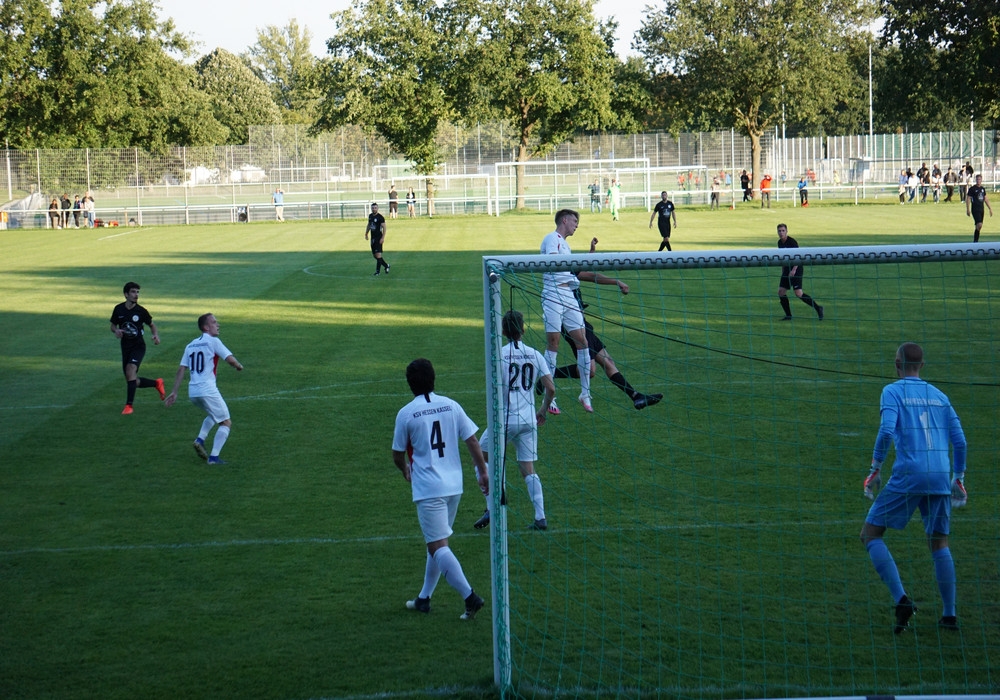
{"points": [[959, 496], [873, 482]]}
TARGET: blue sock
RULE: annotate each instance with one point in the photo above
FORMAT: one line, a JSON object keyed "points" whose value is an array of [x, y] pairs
{"points": [[944, 569], [886, 567]]}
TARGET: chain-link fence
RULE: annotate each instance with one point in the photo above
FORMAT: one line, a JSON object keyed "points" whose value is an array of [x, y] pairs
{"points": [[338, 173]]}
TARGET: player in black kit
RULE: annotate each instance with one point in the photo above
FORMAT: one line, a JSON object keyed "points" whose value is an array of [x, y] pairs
{"points": [[127, 321], [663, 212], [791, 278], [376, 229], [975, 204]]}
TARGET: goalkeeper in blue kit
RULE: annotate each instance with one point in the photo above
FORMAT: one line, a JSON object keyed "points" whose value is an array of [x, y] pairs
{"points": [[920, 421]]}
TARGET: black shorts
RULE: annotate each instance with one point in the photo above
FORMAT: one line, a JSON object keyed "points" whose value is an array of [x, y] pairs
{"points": [[664, 231], [594, 343], [132, 354], [393, 206], [791, 282], [978, 216], [376, 248]]}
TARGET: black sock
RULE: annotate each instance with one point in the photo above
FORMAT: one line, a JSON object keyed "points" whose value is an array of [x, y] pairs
{"points": [[384, 263], [975, 237], [619, 381], [786, 306], [378, 265], [130, 396], [667, 244], [146, 383], [567, 372], [808, 300], [662, 246]]}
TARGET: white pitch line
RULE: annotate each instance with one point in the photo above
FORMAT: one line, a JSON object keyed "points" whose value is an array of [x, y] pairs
{"points": [[214, 544], [129, 232]]}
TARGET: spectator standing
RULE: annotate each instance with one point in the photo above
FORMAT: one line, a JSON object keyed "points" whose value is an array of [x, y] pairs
{"points": [[765, 191], [55, 215], [65, 205], [393, 202], [77, 209], [950, 180], [411, 203], [745, 185], [595, 197], [278, 200], [803, 191]]}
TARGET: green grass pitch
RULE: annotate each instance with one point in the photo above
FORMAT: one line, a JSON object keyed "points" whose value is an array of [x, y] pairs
{"points": [[129, 569]]}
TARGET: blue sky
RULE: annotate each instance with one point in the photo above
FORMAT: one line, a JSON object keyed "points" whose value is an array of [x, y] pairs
{"points": [[233, 24]]}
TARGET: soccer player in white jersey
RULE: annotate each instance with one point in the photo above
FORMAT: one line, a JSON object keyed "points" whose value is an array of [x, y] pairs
{"points": [[201, 357], [429, 430], [521, 367], [921, 422], [561, 309]]}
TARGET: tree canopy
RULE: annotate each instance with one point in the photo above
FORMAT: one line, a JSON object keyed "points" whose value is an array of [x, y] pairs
{"points": [[282, 58], [85, 73], [743, 64], [239, 98]]}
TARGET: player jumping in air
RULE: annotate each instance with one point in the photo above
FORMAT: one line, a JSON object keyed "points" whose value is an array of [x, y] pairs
{"points": [[598, 352]]}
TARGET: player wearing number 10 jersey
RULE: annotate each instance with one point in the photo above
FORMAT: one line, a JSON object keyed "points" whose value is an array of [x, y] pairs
{"points": [[521, 367], [429, 430], [201, 357]]}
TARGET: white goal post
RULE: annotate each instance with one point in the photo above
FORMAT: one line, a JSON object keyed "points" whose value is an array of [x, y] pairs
{"points": [[554, 184]]}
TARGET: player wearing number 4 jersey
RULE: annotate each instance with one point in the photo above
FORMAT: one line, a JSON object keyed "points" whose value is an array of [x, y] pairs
{"points": [[201, 358], [920, 421], [521, 367], [430, 429]]}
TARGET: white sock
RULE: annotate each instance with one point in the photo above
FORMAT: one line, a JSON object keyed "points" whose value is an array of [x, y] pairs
{"points": [[583, 364], [432, 573], [452, 571], [551, 357], [221, 435], [206, 427], [534, 485]]}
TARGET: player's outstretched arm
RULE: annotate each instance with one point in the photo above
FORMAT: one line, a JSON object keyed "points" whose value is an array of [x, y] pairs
{"points": [[178, 378], [233, 362]]}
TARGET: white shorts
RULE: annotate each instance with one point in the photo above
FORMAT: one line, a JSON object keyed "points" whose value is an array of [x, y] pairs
{"points": [[524, 437], [561, 310], [214, 406], [436, 516]]}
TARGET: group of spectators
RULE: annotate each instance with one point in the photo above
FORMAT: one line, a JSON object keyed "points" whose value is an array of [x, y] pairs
{"points": [[933, 181], [60, 209]]}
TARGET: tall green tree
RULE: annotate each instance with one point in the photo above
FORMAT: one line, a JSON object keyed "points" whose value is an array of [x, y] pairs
{"points": [[955, 44], [239, 99], [283, 59], [541, 66], [389, 59], [744, 62], [86, 73]]}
